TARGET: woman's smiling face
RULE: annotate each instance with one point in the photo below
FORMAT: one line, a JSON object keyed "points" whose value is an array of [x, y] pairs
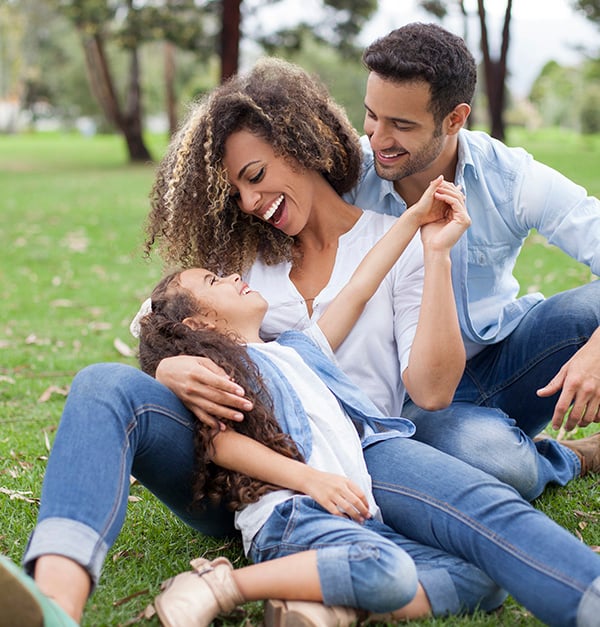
{"points": [[266, 185]]}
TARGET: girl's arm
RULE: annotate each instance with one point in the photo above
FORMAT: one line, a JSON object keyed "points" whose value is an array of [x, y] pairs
{"points": [[433, 207], [337, 494], [437, 355]]}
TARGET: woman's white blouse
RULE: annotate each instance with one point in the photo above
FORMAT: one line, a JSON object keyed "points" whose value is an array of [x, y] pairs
{"points": [[376, 351]]}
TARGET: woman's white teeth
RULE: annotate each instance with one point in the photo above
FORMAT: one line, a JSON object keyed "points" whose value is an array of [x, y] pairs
{"points": [[268, 214], [245, 291]]}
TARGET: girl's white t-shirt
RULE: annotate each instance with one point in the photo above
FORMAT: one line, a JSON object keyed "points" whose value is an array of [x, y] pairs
{"points": [[376, 351], [336, 447]]}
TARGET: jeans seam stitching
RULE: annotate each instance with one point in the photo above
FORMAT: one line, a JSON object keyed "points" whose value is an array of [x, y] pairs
{"points": [[460, 516]]}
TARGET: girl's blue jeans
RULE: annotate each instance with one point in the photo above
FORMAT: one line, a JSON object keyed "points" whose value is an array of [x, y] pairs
{"points": [[496, 411], [118, 421]]}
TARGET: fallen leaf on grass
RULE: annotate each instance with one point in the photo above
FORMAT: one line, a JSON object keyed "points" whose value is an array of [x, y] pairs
{"points": [[5, 379], [61, 302], [129, 597], [32, 338], [134, 499], [127, 553], [593, 516], [19, 496], [53, 389], [123, 349], [595, 548], [147, 614], [100, 326]]}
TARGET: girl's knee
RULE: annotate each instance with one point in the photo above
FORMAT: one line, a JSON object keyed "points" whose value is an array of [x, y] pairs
{"points": [[385, 578]]}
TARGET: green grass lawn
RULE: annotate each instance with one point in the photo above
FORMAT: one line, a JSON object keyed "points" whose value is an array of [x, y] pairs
{"points": [[73, 274]]}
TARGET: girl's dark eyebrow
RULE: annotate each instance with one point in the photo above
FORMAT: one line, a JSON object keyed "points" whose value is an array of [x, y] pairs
{"points": [[241, 172]]}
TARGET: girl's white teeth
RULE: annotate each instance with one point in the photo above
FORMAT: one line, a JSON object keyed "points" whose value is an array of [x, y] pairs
{"points": [[268, 214], [245, 291]]}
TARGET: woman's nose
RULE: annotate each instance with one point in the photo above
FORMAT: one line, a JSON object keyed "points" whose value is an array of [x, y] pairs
{"points": [[249, 201]]}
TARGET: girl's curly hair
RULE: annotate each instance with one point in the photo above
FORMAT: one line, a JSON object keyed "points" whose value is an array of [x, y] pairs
{"points": [[163, 334], [192, 217]]}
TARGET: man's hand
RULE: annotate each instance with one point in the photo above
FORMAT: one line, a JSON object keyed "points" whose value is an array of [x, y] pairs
{"points": [[579, 380], [204, 388], [337, 494]]}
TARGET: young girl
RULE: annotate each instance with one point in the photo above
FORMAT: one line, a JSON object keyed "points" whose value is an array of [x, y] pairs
{"points": [[356, 563]]}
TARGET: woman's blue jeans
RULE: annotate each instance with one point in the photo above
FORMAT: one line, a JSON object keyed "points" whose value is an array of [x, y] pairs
{"points": [[118, 421], [496, 412]]}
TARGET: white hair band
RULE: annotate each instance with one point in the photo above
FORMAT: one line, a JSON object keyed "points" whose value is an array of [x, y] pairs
{"points": [[145, 309]]}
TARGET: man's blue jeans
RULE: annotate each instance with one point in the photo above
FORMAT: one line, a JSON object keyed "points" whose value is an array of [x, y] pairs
{"points": [[496, 412], [118, 421]]}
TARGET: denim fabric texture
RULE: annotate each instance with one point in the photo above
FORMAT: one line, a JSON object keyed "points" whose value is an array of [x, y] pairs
{"points": [[123, 421]]}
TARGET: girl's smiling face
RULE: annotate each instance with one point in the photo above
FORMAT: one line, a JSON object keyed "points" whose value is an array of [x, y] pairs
{"points": [[227, 302], [266, 185]]}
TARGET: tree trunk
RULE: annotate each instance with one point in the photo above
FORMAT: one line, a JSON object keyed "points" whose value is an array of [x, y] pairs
{"points": [[495, 71], [132, 120], [230, 37], [170, 99], [102, 87], [101, 83]]}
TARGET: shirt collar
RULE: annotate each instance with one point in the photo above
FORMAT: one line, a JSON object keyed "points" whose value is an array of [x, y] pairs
{"points": [[386, 187], [465, 157]]}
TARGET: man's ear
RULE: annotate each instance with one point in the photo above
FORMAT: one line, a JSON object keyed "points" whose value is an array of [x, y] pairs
{"points": [[196, 323], [457, 118]]}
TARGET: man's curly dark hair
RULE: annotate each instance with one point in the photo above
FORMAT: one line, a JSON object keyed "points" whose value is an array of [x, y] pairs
{"points": [[192, 218], [164, 334]]}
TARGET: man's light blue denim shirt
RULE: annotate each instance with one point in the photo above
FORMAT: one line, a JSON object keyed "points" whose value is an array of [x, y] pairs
{"points": [[508, 194]]}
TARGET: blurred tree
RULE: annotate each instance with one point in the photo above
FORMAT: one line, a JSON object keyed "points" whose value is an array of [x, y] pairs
{"points": [[338, 26], [494, 68], [117, 36], [554, 93], [591, 8], [129, 24]]}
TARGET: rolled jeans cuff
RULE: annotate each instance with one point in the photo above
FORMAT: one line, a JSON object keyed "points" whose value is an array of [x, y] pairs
{"points": [[335, 575], [589, 606], [440, 591], [67, 538]]}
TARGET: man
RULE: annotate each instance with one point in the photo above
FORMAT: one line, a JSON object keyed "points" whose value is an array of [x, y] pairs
{"points": [[529, 359]]}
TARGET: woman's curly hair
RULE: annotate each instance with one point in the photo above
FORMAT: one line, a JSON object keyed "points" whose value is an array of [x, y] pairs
{"points": [[193, 219], [163, 334]]}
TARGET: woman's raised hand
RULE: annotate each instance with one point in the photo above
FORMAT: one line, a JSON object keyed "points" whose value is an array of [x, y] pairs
{"points": [[204, 388], [448, 217]]}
